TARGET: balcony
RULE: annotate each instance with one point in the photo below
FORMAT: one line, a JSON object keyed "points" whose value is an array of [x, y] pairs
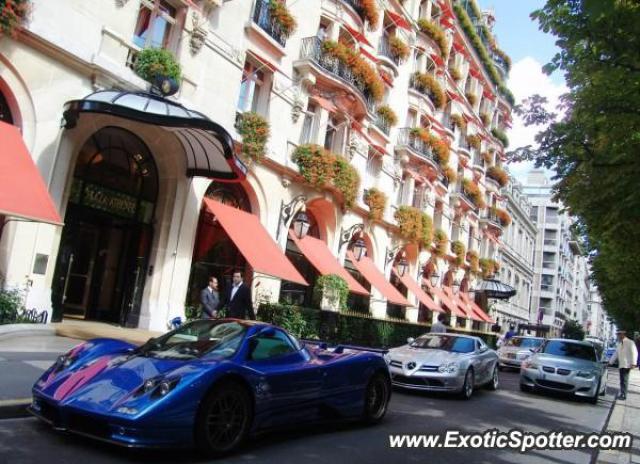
{"points": [[311, 51], [491, 220], [501, 65], [262, 17], [478, 161], [384, 49], [415, 85], [383, 124], [416, 146], [357, 7], [465, 200]]}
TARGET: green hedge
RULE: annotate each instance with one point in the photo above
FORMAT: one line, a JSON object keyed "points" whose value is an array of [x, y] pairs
{"points": [[348, 328]]}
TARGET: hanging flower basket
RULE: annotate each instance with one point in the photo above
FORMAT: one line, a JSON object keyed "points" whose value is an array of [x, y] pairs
{"points": [[376, 200], [415, 226], [157, 62], [282, 17], [398, 48], [428, 85], [499, 175], [255, 132], [436, 33], [440, 241], [13, 14]]}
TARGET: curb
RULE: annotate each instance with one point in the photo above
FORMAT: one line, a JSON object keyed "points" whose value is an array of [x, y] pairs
{"points": [[14, 409], [25, 330]]}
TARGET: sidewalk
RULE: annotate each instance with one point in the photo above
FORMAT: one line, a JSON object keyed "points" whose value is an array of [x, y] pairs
{"points": [[85, 330], [625, 418]]}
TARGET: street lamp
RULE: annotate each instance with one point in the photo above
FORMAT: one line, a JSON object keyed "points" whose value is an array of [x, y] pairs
{"points": [[287, 211], [434, 278], [402, 266], [359, 248], [301, 224]]}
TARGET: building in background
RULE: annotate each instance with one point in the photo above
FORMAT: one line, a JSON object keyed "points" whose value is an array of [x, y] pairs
{"points": [[517, 259], [380, 118]]}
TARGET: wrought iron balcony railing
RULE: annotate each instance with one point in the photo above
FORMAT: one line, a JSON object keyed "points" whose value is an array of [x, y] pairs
{"points": [[460, 192], [312, 50], [384, 49], [262, 17], [415, 143], [383, 124]]}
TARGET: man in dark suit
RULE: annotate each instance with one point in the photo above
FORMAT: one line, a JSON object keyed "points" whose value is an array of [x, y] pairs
{"points": [[238, 301], [210, 299]]}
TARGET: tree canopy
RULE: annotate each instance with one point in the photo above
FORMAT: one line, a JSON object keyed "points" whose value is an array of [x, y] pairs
{"points": [[593, 144]]}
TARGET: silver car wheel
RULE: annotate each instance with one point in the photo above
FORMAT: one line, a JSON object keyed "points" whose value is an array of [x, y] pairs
{"points": [[467, 387], [495, 380]]}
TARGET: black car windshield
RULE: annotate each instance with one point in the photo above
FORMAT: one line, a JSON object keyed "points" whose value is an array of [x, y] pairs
{"points": [[196, 339], [570, 350], [445, 342], [525, 342]]}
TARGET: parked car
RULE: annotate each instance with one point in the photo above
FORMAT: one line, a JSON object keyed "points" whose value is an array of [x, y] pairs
{"points": [[209, 383], [444, 362], [516, 350], [568, 366], [608, 353]]}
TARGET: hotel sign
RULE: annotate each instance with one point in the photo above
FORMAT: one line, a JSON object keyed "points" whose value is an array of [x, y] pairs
{"points": [[110, 201]]}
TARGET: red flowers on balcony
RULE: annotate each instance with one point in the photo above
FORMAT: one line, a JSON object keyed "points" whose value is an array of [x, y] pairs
{"points": [[415, 226], [499, 175], [428, 85]]}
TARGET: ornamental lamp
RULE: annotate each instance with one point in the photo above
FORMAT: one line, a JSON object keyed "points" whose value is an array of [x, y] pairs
{"points": [[301, 224]]}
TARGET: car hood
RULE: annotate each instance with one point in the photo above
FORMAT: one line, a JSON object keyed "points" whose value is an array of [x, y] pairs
{"points": [[563, 362], [513, 349], [422, 356], [108, 381]]}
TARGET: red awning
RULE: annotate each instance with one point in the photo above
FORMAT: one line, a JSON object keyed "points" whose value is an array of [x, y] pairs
{"points": [[459, 47], [437, 59], [399, 20], [475, 73], [487, 93], [23, 193], [414, 288], [368, 55], [325, 103], [254, 242], [325, 263], [444, 299], [359, 36], [463, 305], [476, 309], [454, 95], [376, 278], [264, 61]]}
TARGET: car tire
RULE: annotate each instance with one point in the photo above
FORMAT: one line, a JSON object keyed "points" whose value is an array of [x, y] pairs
{"points": [[467, 386], [525, 388], [494, 383], [596, 396], [376, 398], [224, 419]]}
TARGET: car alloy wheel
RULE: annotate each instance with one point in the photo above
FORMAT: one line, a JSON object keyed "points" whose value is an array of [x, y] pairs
{"points": [[467, 387], [376, 398], [495, 380], [224, 420]]}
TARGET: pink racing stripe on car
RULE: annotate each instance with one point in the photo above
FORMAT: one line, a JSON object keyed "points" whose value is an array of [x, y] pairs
{"points": [[78, 379]]}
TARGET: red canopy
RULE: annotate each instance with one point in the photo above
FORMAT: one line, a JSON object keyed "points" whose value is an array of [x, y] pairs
{"points": [[254, 242], [359, 36], [399, 20], [476, 309], [414, 288], [23, 193], [376, 278], [444, 299], [323, 260]]}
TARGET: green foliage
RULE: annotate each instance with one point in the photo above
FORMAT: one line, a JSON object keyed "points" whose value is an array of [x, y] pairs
{"points": [[153, 62], [573, 330], [192, 312], [255, 132], [10, 306], [500, 135], [436, 33], [460, 251], [415, 225], [348, 328], [13, 13], [593, 146], [332, 283]]}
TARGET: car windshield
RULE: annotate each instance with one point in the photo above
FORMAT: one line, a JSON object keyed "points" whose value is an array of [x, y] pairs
{"points": [[196, 339], [570, 350], [445, 342], [525, 342]]}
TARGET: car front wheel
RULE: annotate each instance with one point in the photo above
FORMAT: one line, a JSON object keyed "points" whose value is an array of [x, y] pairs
{"points": [[376, 398], [495, 380], [467, 387], [224, 419]]}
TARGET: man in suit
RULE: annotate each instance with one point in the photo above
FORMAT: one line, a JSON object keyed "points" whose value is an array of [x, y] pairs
{"points": [[210, 299], [627, 356], [238, 301]]}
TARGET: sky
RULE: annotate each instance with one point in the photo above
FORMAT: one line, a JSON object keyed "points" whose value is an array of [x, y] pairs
{"points": [[529, 49]]}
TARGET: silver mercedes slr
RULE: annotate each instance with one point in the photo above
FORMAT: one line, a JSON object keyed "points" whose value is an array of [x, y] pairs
{"points": [[444, 362], [516, 350], [568, 366]]}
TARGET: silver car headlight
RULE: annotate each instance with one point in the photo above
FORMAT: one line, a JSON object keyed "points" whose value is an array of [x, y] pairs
{"points": [[448, 368], [585, 374]]}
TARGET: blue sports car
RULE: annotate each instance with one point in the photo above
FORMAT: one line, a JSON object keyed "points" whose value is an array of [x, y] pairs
{"points": [[209, 383]]}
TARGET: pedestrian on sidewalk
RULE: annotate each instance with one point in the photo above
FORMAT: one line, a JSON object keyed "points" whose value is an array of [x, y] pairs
{"points": [[638, 350], [238, 300], [439, 326], [627, 355], [210, 299]]}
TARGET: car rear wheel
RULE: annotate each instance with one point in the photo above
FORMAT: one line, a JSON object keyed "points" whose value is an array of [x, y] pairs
{"points": [[494, 383], [467, 387], [376, 398], [224, 419]]}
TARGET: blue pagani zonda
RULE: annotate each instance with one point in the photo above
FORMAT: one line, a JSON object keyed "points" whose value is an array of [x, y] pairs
{"points": [[209, 383]]}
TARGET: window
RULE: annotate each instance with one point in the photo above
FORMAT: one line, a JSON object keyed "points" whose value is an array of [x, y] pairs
{"points": [[271, 345], [336, 134], [155, 26], [418, 196], [472, 233], [252, 89], [552, 215], [309, 124], [533, 213], [374, 165]]}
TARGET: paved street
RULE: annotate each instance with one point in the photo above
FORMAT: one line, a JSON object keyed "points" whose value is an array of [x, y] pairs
{"points": [[26, 441]]}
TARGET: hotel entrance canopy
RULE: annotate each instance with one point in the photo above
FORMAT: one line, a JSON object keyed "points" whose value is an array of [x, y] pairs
{"points": [[208, 147], [23, 193]]}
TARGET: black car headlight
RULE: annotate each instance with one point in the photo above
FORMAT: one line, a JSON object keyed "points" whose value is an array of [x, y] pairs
{"points": [[165, 386]]}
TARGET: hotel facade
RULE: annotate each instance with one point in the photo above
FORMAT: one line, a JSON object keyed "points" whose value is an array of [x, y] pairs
{"points": [[386, 124]]}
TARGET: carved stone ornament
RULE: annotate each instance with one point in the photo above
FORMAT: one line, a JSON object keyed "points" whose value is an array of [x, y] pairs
{"points": [[199, 32]]}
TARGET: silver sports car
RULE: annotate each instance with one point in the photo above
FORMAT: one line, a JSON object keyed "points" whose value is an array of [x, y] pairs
{"points": [[568, 366], [517, 349], [444, 362]]}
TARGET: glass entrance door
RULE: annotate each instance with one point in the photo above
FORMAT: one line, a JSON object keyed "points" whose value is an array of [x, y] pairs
{"points": [[80, 253]]}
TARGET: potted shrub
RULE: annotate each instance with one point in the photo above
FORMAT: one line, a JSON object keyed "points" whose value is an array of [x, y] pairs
{"points": [[499, 175], [371, 12], [13, 14], [436, 33], [471, 98], [450, 174], [386, 113], [485, 118], [282, 17], [472, 191], [376, 200], [460, 251], [501, 136], [474, 262], [459, 121], [415, 226], [487, 157], [157, 62], [474, 140], [331, 292], [440, 241], [428, 85], [398, 48], [456, 74], [502, 216]]}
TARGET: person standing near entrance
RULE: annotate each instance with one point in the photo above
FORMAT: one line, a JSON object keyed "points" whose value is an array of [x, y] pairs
{"points": [[439, 326], [210, 299], [238, 301], [627, 355]]}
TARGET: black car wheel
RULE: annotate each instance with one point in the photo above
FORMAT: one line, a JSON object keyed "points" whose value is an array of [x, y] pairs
{"points": [[596, 395], [495, 380], [376, 398], [467, 387], [525, 388], [224, 419]]}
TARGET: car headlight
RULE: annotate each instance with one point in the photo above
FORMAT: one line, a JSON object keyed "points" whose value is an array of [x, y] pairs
{"points": [[165, 386], [585, 374], [387, 358], [448, 368]]}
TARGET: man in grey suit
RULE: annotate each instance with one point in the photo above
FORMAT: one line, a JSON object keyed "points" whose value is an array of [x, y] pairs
{"points": [[210, 299]]}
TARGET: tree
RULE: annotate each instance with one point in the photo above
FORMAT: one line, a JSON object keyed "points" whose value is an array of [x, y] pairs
{"points": [[594, 146], [572, 330]]}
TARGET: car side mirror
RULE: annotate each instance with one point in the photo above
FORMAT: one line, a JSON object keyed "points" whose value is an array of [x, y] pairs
{"points": [[410, 340]]}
